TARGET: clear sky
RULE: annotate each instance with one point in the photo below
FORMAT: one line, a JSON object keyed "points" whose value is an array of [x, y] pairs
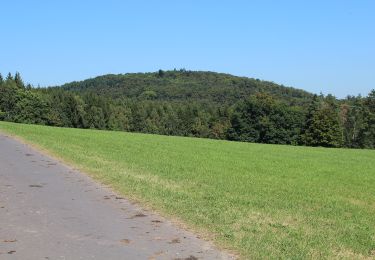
{"points": [[321, 46]]}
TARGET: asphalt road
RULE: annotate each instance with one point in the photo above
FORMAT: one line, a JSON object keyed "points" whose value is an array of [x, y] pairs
{"points": [[50, 211]]}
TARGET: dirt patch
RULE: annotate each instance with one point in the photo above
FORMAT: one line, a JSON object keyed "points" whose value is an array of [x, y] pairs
{"points": [[153, 257], [125, 241]]}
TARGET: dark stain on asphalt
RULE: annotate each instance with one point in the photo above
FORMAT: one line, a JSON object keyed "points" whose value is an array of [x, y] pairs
{"points": [[187, 258], [156, 221], [36, 186], [139, 215], [175, 241], [51, 163], [11, 252], [10, 240], [29, 154]]}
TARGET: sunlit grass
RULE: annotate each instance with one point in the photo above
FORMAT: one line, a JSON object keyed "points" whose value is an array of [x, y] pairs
{"points": [[264, 201]]}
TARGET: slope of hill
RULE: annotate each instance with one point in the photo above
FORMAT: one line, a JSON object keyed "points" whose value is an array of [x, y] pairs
{"points": [[186, 85]]}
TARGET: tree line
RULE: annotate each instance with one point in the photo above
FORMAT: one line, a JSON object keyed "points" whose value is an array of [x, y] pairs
{"points": [[261, 116]]}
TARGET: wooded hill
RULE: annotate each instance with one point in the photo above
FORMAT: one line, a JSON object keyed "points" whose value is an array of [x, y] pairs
{"points": [[200, 104], [185, 85]]}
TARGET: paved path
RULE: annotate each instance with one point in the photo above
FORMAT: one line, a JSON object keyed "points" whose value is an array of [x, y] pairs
{"points": [[49, 211]]}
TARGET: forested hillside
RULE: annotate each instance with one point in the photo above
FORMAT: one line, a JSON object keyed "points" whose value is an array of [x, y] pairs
{"points": [[200, 104], [185, 85]]}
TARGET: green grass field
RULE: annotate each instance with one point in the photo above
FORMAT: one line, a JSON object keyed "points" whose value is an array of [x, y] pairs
{"points": [[263, 201]]}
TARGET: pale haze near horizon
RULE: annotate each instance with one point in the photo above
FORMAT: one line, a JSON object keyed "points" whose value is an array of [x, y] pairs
{"points": [[320, 46]]}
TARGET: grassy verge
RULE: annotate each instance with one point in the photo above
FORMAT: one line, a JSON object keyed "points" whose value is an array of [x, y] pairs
{"points": [[264, 201]]}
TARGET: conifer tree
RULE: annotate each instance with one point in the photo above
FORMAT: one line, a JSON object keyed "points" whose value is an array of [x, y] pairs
{"points": [[18, 80], [306, 132], [9, 77]]}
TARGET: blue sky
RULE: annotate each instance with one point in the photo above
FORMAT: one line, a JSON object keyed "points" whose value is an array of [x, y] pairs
{"points": [[320, 46]]}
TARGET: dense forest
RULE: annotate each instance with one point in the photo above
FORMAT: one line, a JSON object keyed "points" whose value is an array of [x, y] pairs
{"points": [[192, 103]]}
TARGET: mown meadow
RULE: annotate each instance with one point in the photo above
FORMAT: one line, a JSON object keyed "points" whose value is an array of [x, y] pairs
{"points": [[262, 201]]}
